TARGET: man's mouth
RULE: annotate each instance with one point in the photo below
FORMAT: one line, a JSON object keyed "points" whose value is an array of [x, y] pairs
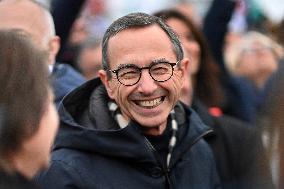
{"points": [[150, 103]]}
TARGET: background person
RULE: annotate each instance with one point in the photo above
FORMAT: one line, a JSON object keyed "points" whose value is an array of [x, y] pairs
{"points": [[36, 20], [204, 72], [90, 58], [29, 120], [253, 59]]}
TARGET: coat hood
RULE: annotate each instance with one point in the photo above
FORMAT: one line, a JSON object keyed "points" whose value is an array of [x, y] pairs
{"points": [[87, 126]]}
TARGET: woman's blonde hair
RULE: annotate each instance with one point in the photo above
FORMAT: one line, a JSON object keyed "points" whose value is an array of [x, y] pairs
{"points": [[234, 52]]}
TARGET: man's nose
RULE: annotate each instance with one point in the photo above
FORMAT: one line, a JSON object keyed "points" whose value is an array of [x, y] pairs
{"points": [[146, 84]]}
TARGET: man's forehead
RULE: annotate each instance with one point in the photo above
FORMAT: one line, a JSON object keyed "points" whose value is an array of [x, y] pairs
{"points": [[17, 4], [23, 16], [20, 13], [143, 32], [153, 31], [11, 23], [21, 26], [140, 45]]}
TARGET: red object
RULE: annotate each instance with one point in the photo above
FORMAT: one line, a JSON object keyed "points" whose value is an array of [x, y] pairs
{"points": [[215, 111]]}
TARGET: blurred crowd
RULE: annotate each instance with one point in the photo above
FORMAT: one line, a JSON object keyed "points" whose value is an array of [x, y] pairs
{"points": [[244, 41], [234, 79]]}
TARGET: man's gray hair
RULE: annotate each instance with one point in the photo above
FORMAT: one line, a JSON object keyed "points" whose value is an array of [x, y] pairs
{"points": [[137, 20]]}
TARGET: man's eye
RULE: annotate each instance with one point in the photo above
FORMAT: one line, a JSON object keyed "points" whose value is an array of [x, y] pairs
{"points": [[128, 74], [160, 69]]}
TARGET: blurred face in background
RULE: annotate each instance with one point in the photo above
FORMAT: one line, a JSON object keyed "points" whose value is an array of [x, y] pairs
{"points": [[90, 61], [34, 154], [78, 32], [33, 20], [188, 41], [95, 7], [257, 63]]}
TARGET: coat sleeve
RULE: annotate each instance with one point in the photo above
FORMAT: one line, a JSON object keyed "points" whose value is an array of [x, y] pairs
{"points": [[241, 158], [60, 176], [215, 27]]}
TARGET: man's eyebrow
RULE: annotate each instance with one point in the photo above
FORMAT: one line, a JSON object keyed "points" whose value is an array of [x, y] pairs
{"points": [[160, 60], [125, 65]]}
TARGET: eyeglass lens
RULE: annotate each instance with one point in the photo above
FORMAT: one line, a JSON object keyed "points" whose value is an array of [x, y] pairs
{"points": [[130, 75]]}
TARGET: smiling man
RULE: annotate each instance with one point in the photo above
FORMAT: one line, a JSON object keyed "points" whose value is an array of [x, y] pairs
{"points": [[128, 129]]}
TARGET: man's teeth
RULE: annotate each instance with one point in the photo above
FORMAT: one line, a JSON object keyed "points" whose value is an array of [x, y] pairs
{"points": [[150, 103]]}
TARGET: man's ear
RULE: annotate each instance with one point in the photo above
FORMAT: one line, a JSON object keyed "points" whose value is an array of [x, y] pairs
{"points": [[107, 83], [54, 46], [184, 66]]}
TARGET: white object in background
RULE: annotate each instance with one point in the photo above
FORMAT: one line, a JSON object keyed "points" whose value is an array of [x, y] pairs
{"points": [[273, 9]]}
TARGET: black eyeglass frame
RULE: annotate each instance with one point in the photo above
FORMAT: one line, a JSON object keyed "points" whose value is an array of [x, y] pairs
{"points": [[116, 71]]}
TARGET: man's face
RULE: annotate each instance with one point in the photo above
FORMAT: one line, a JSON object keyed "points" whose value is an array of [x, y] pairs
{"points": [[28, 17], [90, 61], [148, 102], [16, 16], [257, 61]]}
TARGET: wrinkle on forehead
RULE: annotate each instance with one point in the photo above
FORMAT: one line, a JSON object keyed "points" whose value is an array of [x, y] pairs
{"points": [[144, 44]]}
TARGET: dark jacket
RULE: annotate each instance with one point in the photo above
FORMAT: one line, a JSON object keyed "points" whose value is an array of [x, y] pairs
{"points": [[239, 154], [15, 181], [91, 152], [64, 79]]}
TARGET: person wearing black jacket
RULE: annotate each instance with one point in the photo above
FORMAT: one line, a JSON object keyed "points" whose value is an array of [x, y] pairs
{"points": [[239, 153], [127, 128]]}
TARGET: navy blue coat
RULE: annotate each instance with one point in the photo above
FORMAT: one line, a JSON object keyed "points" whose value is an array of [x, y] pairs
{"points": [[64, 79], [92, 152], [15, 181]]}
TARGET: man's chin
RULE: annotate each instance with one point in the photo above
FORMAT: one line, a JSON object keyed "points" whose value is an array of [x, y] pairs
{"points": [[150, 128], [154, 131]]}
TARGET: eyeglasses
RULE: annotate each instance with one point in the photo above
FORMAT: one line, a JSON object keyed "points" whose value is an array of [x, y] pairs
{"points": [[257, 50], [129, 75]]}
